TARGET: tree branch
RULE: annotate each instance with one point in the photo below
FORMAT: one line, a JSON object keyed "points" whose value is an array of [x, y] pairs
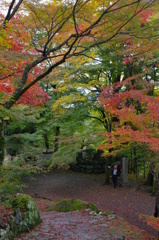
{"points": [[11, 12]]}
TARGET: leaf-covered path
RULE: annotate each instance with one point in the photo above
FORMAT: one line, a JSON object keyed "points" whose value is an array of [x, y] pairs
{"points": [[81, 225], [125, 202]]}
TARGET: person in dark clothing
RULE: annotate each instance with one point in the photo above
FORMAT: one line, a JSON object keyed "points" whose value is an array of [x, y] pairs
{"points": [[115, 174]]}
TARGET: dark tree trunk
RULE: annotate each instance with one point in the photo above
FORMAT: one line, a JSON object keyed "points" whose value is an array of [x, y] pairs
{"points": [[131, 163], [156, 214], [150, 179], [155, 189], [46, 142], [144, 171], [136, 171], [107, 172], [56, 139], [2, 142], [134, 162], [118, 78]]}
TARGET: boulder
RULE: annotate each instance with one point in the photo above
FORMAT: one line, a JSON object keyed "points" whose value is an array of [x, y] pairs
{"points": [[25, 216]]}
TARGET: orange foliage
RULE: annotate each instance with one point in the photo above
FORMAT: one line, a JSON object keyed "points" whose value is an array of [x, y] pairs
{"points": [[137, 116], [151, 221], [51, 33], [16, 53]]}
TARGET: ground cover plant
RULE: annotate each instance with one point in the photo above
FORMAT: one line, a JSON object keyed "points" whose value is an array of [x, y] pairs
{"points": [[67, 205]]}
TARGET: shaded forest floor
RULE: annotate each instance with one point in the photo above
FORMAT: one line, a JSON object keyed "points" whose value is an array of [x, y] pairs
{"points": [[127, 202]]}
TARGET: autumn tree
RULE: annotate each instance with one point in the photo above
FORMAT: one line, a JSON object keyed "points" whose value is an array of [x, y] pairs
{"points": [[80, 86], [57, 32], [51, 34]]}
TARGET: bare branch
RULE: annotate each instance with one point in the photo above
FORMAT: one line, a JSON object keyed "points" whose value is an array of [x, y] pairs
{"points": [[95, 118], [74, 18], [10, 75], [11, 11]]}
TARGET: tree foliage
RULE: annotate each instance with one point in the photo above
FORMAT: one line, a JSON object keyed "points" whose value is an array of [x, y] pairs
{"points": [[53, 33], [91, 66]]}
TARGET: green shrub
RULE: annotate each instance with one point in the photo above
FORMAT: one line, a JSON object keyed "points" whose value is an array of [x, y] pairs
{"points": [[67, 205], [10, 178], [2, 145]]}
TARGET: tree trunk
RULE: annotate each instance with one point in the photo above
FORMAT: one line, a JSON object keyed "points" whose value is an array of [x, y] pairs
{"points": [[46, 141], [2, 142], [157, 197], [137, 180], [131, 164], [150, 179], [135, 162], [107, 172], [56, 139], [144, 170], [155, 190]]}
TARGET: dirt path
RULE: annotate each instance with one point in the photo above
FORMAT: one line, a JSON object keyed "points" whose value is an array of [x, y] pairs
{"points": [[125, 202]]}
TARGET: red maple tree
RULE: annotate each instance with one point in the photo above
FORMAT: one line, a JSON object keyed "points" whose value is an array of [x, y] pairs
{"points": [[136, 114], [16, 53]]}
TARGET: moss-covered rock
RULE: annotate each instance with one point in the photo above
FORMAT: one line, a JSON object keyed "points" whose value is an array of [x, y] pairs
{"points": [[25, 216], [67, 205], [26, 210]]}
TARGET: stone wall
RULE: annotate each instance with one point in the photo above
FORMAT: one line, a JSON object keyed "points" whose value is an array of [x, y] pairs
{"points": [[89, 163]]}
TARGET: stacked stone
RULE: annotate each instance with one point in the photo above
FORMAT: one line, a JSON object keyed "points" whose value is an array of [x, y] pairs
{"points": [[87, 164]]}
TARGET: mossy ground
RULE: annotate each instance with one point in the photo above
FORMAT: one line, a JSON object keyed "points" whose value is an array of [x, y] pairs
{"points": [[67, 205]]}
